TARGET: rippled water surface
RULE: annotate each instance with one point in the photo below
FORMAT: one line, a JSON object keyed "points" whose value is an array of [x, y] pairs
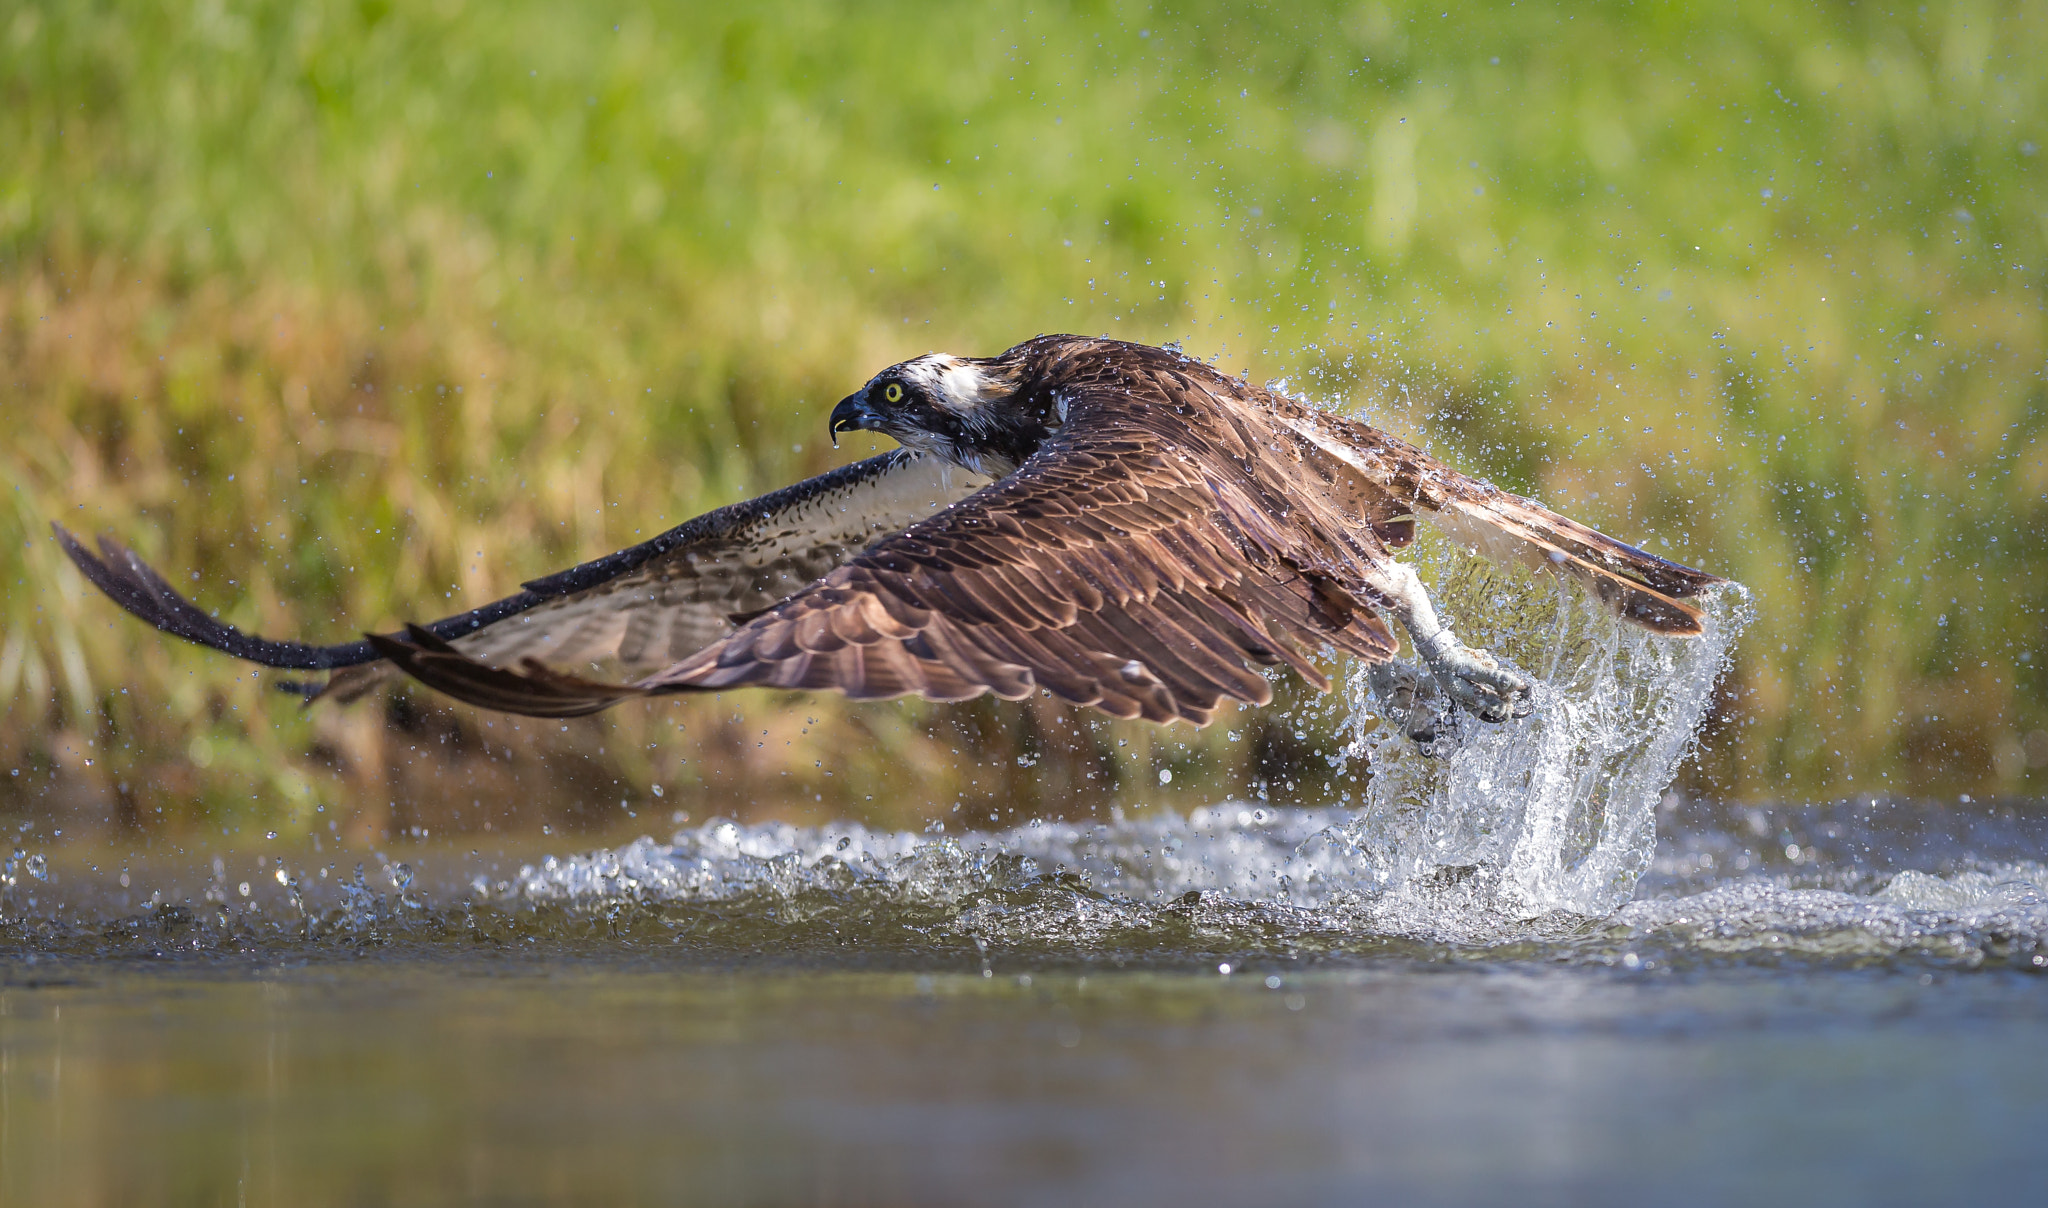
{"points": [[1513, 968], [1813, 1004]]}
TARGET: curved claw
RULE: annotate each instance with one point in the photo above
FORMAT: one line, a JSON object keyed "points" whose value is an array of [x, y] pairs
{"points": [[1475, 680], [1479, 704]]}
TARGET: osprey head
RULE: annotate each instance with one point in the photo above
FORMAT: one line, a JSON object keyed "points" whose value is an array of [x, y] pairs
{"points": [[968, 410]]}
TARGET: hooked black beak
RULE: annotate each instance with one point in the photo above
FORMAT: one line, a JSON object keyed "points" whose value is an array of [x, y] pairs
{"points": [[851, 415]]}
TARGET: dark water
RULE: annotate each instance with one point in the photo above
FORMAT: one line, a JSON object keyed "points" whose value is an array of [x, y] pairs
{"points": [[488, 1079]]}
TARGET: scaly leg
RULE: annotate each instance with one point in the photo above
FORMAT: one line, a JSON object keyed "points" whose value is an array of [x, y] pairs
{"points": [[1470, 677]]}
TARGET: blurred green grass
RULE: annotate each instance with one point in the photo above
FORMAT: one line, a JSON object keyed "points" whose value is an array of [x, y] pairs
{"points": [[366, 311]]}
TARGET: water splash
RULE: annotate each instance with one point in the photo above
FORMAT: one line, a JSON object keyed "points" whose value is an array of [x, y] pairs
{"points": [[1241, 879], [1554, 814], [1879, 882]]}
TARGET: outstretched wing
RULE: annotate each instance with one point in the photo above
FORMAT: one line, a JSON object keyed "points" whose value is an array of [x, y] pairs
{"points": [[1121, 567], [1636, 584], [647, 606], [637, 609]]}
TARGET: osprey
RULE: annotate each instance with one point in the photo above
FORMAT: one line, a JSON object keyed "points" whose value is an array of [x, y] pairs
{"points": [[1118, 525]]}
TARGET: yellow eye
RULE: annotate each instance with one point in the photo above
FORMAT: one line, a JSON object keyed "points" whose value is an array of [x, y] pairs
{"points": [[893, 392]]}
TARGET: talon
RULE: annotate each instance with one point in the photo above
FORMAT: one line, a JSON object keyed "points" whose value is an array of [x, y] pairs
{"points": [[1476, 680]]}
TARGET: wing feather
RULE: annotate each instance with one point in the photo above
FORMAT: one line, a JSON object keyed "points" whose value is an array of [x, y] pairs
{"points": [[1638, 585], [638, 609]]}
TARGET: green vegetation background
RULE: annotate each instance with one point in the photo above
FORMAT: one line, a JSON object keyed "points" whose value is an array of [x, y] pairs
{"points": [[359, 312]]}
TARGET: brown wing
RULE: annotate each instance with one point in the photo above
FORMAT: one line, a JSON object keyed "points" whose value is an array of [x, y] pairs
{"points": [[1128, 565], [1636, 584], [638, 609]]}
